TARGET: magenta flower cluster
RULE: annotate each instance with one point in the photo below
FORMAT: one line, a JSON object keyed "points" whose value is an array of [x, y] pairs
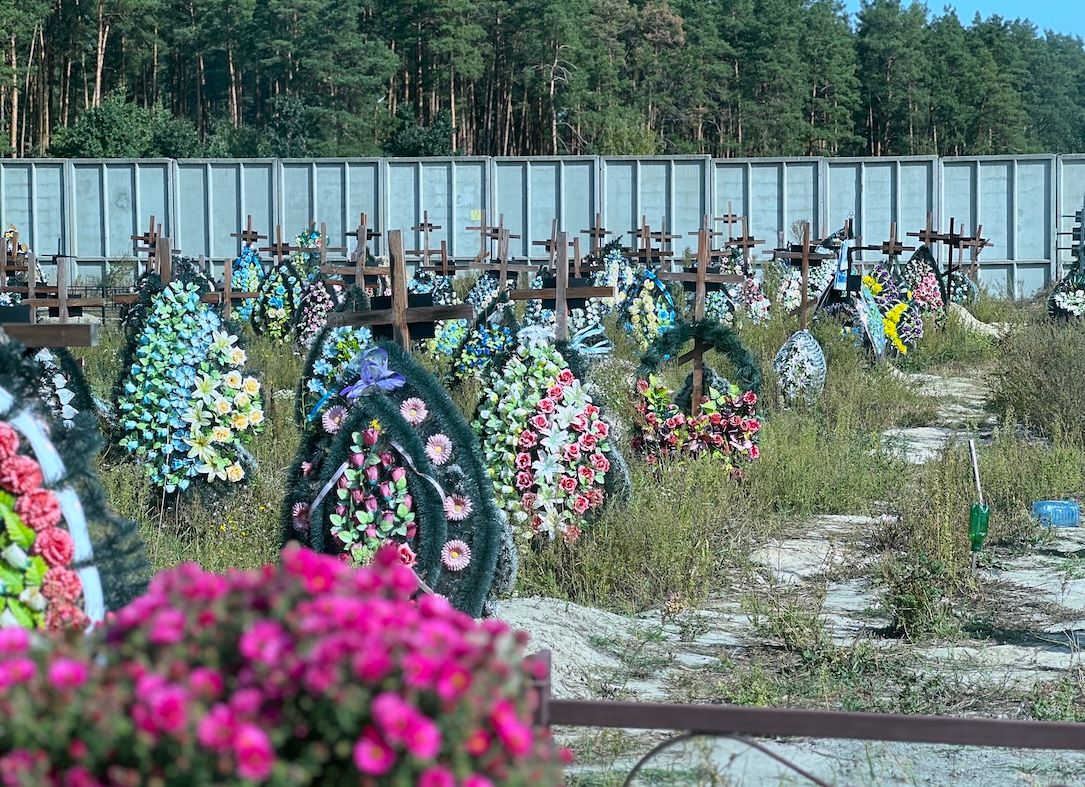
{"points": [[310, 672]]}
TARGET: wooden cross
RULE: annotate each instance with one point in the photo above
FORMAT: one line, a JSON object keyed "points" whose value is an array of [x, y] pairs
{"points": [[550, 245], [63, 333], [401, 315], [730, 219], [502, 267], [357, 271], [745, 243], [802, 256], [248, 235], [1077, 240], [561, 292], [444, 266], [975, 245], [279, 248], [700, 279], [161, 263], [487, 234], [646, 255], [891, 249], [596, 234]]}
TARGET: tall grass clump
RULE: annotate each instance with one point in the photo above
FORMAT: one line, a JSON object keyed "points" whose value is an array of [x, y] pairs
{"points": [[1039, 379], [927, 560]]}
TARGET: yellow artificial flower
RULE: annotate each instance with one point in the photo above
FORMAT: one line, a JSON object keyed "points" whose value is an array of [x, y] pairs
{"points": [[251, 386], [234, 473], [233, 379], [242, 400], [375, 424], [221, 434], [237, 356], [256, 417], [240, 422], [872, 285], [222, 406]]}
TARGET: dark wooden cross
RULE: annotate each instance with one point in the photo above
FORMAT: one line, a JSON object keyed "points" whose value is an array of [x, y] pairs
{"points": [[444, 265], [700, 282], [501, 266], [975, 245], [550, 245], [279, 249], [745, 243], [891, 249], [248, 237], [561, 293], [358, 269], [401, 315], [596, 234], [730, 219], [1077, 241], [324, 248], [647, 255], [160, 262], [802, 255]]}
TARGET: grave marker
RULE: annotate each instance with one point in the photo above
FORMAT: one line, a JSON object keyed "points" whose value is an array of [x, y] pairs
{"points": [[802, 255]]}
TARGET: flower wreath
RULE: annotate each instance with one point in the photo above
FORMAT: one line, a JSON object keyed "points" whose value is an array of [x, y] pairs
{"points": [[64, 558], [800, 368], [1067, 300], [390, 459], [649, 311], [62, 386], [618, 272], [184, 405], [329, 356], [490, 337], [718, 337], [448, 334], [318, 299], [247, 271], [275, 312], [585, 324], [546, 445], [902, 320]]}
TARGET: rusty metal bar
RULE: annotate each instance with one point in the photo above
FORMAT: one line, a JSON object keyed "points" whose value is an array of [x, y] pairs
{"points": [[732, 720]]}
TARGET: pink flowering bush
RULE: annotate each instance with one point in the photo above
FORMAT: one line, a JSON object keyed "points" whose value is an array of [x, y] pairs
{"points": [[726, 427], [306, 673]]}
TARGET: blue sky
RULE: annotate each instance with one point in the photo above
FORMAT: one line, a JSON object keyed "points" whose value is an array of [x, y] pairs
{"points": [[1062, 16]]}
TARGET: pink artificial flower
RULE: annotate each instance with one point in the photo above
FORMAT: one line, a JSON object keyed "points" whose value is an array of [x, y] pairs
{"points": [[453, 683], [567, 484], [458, 508], [642, 387], [436, 777], [602, 429], [523, 461], [588, 441], [524, 480], [545, 406], [475, 780], [555, 392], [528, 500], [755, 452], [406, 555], [565, 377], [9, 441], [333, 418], [372, 756], [371, 665], [39, 509], [55, 546], [370, 436], [580, 504], [587, 475], [600, 463], [13, 641], [749, 398], [20, 474], [413, 411], [167, 707], [438, 449], [17, 671], [168, 627], [571, 452], [299, 516], [455, 555], [318, 572], [67, 673], [423, 738], [264, 642], [62, 584], [528, 439], [539, 422], [579, 422], [206, 683], [252, 749]]}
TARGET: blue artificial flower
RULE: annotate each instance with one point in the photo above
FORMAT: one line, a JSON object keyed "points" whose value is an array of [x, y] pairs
{"points": [[373, 374]]}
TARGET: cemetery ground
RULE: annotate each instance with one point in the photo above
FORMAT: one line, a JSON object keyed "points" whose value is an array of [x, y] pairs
{"points": [[837, 575]]}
